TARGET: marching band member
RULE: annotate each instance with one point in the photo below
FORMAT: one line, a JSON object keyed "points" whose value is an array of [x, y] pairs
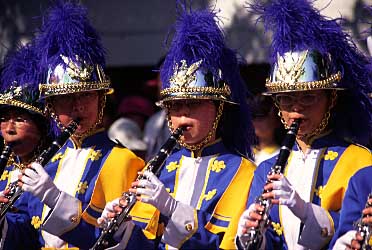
{"points": [[203, 186], [67, 197], [353, 207], [355, 198], [24, 127], [23, 123], [319, 76]]}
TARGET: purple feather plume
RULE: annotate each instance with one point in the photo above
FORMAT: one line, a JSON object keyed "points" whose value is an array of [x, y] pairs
{"points": [[21, 68], [197, 36], [297, 25], [66, 30]]}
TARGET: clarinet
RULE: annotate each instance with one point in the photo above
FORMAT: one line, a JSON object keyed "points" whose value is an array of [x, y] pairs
{"points": [[364, 229], [254, 235], [4, 158], [14, 190], [154, 165]]}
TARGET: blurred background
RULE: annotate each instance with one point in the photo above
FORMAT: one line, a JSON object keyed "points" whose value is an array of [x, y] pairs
{"points": [[134, 33]]}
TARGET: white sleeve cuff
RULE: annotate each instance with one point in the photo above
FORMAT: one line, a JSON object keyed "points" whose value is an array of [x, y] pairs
{"points": [[64, 216], [318, 228], [181, 226]]}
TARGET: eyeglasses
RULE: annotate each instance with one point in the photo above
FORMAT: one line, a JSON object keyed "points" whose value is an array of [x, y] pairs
{"points": [[305, 99], [19, 121]]}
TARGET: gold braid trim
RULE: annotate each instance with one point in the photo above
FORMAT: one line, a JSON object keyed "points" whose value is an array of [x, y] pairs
{"points": [[70, 88], [187, 91], [206, 140], [20, 104], [302, 86]]}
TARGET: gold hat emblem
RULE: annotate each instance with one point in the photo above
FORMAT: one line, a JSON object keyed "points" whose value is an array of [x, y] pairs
{"points": [[290, 69], [75, 71], [183, 75]]}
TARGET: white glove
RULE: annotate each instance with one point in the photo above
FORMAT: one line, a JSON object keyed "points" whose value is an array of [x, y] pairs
{"points": [[344, 242], [285, 193], [38, 183], [153, 192], [244, 237], [109, 208]]}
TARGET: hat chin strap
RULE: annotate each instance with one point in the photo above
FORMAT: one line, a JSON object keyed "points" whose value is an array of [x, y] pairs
{"points": [[79, 138], [207, 139]]}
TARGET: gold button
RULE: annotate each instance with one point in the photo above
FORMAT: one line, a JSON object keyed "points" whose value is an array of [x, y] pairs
{"points": [[188, 227], [324, 232], [74, 219]]}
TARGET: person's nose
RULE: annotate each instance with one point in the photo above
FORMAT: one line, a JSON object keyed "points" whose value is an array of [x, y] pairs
{"points": [[10, 127], [297, 107], [78, 105]]}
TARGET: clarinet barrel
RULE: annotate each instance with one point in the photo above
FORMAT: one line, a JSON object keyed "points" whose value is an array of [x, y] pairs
{"points": [[4, 157], [254, 235], [154, 165]]}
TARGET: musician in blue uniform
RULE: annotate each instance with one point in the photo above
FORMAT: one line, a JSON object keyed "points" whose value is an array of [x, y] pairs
{"points": [[203, 186], [356, 198], [23, 123], [23, 126], [318, 76], [65, 199]]}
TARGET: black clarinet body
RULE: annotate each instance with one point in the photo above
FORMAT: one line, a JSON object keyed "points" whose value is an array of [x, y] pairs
{"points": [[14, 190], [154, 165], [4, 157], [255, 234], [364, 229]]}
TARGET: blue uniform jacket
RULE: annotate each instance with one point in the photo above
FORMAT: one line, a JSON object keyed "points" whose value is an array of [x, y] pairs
{"points": [[338, 161], [108, 170]]}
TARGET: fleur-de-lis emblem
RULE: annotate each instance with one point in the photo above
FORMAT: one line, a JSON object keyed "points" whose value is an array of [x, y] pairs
{"points": [[289, 69], [331, 155], [319, 191], [172, 166], [95, 155], [82, 187], [78, 71], [277, 228], [4, 176], [210, 194], [184, 75], [36, 222], [217, 166], [57, 157]]}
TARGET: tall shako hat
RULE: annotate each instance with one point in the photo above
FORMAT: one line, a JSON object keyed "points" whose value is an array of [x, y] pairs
{"points": [[20, 80], [200, 66], [310, 51], [71, 51]]}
